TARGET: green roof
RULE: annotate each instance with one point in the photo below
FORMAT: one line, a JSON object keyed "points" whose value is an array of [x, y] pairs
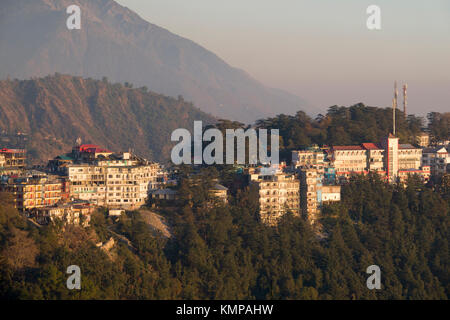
{"points": [[64, 157]]}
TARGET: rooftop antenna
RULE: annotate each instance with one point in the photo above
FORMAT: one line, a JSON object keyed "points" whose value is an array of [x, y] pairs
{"points": [[405, 98], [394, 106], [393, 116]]}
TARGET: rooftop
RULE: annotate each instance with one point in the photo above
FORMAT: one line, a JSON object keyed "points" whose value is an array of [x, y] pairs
{"points": [[6, 150], [219, 187], [92, 148], [406, 146], [371, 146], [347, 148], [439, 149]]}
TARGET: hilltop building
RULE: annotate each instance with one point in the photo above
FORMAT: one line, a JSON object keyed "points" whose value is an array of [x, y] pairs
{"points": [[311, 157], [170, 196], [314, 193], [75, 212], [12, 161], [104, 178], [35, 190], [391, 160], [278, 194], [423, 139], [438, 159]]}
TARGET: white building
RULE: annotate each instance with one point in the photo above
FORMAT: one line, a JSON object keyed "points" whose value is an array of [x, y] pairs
{"points": [[112, 186], [437, 158]]}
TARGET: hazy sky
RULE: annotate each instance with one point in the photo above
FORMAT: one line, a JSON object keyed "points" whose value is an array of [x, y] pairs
{"points": [[322, 50]]}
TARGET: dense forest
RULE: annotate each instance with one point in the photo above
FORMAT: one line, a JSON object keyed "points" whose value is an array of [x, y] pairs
{"points": [[354, 125], [224, 252], [347, 126]]}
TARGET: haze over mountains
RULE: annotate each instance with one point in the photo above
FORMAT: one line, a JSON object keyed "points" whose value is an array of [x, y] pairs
{"points": [[116, 43], [55, 110]]}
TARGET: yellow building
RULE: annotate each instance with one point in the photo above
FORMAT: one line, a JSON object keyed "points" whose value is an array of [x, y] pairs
{"points": [[278, 194], [34, 191], [12, 161], [423, 139]]}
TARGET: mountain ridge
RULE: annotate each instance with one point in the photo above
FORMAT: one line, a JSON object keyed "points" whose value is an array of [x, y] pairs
{"points": [[55, 110], [117, 43]]}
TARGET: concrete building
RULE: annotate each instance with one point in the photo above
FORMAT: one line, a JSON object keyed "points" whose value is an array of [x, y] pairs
{"points": [[278, 194], [348, 160], [12, 161], [76, 213], [311, 157], [164, 194], [374, 155], [437, 159], [104, 178], [112, 186], [330, 194], [423, 139], [387, 159], [220, 192], [314, 193], [34, 190], [310, 185], [409, 157], [390, 146]]}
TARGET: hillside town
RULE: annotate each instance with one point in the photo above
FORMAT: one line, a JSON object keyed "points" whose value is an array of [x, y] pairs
{"points": [[72, 186]]}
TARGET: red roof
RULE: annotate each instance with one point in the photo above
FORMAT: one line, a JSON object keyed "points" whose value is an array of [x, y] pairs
{"points": [[347, 148], [371, 146], [92, 148], [6, 150], [87, 146]]}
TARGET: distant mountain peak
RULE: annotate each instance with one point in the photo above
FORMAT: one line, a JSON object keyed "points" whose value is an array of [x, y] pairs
{"points": [[115, 42]]}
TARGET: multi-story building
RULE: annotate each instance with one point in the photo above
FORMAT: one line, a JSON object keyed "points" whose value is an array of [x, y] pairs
{"points": [[219, 192], [348, 160], [12, 161], [112, 186], [278, 194], [311, 157], [77, 213], [387, 159], [314, 193], [402, 161], [114, 180], [437, 158], [390, 145], [424, 173], [34, 190], [374, 155], [423, 139], [331, 194], [310, 184], [409, 157]]}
